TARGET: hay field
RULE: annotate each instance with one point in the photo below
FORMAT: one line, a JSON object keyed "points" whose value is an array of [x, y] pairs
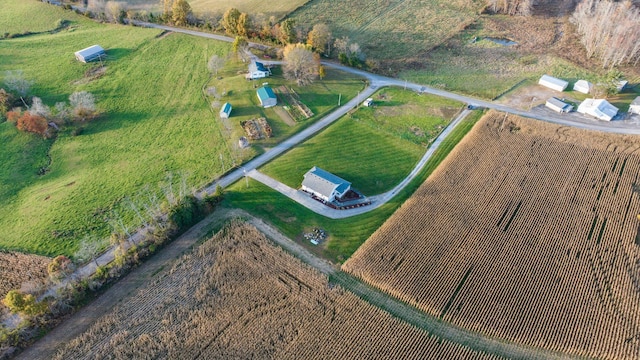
{"points": [[238, 296], [527, 232], [392, 30], [17, 269], [270, 8]]}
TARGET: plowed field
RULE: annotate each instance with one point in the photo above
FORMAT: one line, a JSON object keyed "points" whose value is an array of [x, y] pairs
{"points": [[527, 232]]}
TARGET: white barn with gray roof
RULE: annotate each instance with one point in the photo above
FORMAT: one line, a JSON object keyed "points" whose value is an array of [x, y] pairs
{"points": [[634, 108], [553, 83], [324, 184], [94, 52]]}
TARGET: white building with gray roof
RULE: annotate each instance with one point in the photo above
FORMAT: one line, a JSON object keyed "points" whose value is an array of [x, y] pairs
{"points": [[324, 184]]}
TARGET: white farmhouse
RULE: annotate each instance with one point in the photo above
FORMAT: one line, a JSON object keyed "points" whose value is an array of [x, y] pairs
{"points": [[324, 184], [553, 83], [598, 108], [257, 70]]}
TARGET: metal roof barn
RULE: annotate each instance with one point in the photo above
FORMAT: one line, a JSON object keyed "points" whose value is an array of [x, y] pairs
{"points": [[91, 53], [553, 83]]}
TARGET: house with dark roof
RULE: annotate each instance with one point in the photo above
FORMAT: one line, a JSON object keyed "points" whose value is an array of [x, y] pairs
{"points": [[225, 111], [91, 53], [324, 184], [267, 97], [257, 70]]}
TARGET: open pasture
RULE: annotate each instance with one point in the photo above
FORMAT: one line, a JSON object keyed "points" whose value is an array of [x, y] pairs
{"points": [[238, 296], [41, 17], [373, 147], [155, 120], [527, 232], [278, 9]]}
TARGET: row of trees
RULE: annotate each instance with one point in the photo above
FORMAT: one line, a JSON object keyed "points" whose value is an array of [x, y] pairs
{"points": [[610, 31]]}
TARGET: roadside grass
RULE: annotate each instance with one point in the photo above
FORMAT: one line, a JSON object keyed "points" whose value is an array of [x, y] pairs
{"points": [[155, 120], [374, 148], [345, 235], [40, 17], [321, 97], [394, 30]]}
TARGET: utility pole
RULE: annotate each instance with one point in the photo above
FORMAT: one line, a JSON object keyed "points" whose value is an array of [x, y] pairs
{"points": [[222, 162], [339, 99], [246, 179]]}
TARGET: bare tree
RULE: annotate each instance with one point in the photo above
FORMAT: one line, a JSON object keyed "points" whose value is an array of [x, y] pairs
{"points": [[39, 108], [115, 11], [16, 82], [89, 249], [215, 63], [83, 104], [300, 64], [610, 31]]}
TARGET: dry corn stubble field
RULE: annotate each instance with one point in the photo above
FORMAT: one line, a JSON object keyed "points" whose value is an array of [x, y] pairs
{"points": [[18, 269], [527, 232], [238, 296]]}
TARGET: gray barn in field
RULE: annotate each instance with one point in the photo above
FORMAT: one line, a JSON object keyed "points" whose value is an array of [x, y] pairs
{"points": [[94, 52]]}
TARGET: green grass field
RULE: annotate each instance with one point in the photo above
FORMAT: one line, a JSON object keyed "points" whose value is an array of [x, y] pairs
{"points": [[345, 235], [155, 121], [321, 97], [14, 15], [374, 148]]}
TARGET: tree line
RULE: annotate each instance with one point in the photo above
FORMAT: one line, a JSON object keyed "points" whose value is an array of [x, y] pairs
{"points": [[610, 31]]}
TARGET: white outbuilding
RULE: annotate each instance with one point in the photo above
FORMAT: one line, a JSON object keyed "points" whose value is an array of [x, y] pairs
{"points": [[598, 108], [558, 105], [94, 52], [553, 83], [634, 108], [583, 86], [225, 111]]}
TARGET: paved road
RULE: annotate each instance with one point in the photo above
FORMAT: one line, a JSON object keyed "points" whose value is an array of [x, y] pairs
{"points": [[376, 200]]}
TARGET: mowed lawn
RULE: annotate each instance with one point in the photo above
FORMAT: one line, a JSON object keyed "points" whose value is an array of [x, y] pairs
{"points": [[374, 147], [321, 97], [155, 121], [345, 235]]}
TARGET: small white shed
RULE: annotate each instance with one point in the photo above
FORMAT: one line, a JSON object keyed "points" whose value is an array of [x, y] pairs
{"points": [[225, 111], [583, 86], [368, 102], [553, 83], [91, 53], [558, 105], [634, 108]]}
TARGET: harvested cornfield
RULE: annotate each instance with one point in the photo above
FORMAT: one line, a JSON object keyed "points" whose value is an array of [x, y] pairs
{"points": [[239, 297], [526, 232], [17, 269]]}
